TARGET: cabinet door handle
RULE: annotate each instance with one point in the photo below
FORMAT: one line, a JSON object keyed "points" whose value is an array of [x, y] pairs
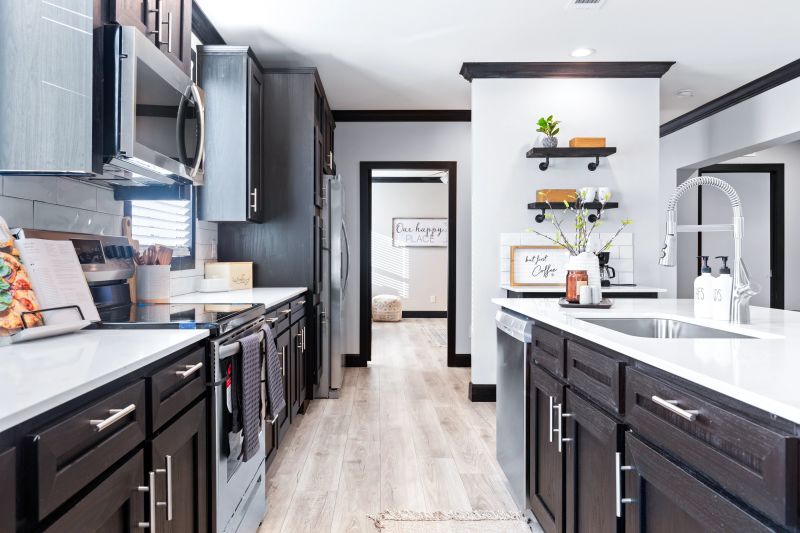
{"points": [[150, 489], [283, 355], [168, 472], [619, 468], [158, 32], [672, 406], [169, 32], [254, 205], [330, 159], [561, 416], [551, 418], [190, 369], [116, 416]]}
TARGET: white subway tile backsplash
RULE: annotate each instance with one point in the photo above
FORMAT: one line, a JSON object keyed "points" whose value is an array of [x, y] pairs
{"points": [[107, 204], [626, 278], [624, 265], [62, 218], [76, 194], [41, 188], [206, 236], [180, 286], [624, 252], [17, 212]]}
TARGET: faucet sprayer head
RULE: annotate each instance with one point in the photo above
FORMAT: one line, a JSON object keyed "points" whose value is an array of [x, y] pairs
{"points": [[668, 251]]}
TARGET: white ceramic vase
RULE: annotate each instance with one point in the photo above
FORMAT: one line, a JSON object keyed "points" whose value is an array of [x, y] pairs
{"points": [[590, 263]]}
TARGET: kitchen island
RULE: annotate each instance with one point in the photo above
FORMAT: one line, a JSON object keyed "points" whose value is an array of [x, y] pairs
{"points": [[633, 431]]}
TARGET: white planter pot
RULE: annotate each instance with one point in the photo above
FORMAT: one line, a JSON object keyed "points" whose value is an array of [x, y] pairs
{"points": [[590, 263]]}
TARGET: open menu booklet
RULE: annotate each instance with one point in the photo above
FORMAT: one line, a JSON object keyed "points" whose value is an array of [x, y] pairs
{"points": [[38, 274]]}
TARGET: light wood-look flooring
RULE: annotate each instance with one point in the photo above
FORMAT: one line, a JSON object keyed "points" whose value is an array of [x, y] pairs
{"points": [[403, 435]]}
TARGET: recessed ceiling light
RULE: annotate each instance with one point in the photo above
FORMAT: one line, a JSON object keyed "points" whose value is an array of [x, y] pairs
{"points": [[685, 93], [582, 52]]}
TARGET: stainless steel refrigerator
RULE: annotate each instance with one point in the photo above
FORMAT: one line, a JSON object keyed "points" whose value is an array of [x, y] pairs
{"points": [[336, 270]]}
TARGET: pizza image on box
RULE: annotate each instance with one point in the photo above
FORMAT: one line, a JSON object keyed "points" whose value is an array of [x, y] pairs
{"points": [[16, 294]]}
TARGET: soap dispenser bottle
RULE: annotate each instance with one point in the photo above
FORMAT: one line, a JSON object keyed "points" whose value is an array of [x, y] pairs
{"points": [[722, 289], [703, 289]]}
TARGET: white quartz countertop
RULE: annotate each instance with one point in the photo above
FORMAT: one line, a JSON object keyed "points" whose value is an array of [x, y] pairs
{"points": [[42, 374], [269, 296], [762, 372], [606, 290]]}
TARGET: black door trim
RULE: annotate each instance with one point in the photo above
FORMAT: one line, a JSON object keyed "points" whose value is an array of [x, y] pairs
{"points": [[776, 222], [365, 242], [736, 96]]}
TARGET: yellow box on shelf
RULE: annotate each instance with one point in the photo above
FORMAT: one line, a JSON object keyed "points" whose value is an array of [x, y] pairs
{"points": [[587, 142], [556, 195]]}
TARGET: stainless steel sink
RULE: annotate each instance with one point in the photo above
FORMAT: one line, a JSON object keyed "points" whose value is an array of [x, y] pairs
{"points": [[663, 328]]}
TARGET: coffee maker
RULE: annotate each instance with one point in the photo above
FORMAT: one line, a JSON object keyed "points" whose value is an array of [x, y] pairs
{"points": [[607, 273]]}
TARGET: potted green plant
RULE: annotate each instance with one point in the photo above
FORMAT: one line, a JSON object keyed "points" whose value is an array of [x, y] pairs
{"points": [[550, 128]]}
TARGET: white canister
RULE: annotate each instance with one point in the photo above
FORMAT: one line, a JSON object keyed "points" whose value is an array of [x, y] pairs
{"points": [[590, 263], [152, 283]]}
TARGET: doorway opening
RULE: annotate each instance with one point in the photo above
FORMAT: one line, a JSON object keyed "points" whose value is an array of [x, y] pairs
{"points": [[401, 238], [761, 190]]}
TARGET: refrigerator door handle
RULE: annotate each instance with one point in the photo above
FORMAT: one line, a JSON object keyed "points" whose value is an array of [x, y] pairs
{"points": [[347, 257]]}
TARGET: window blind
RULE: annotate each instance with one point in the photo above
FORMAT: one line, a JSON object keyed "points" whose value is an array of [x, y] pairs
{"points": [[164, 222]]}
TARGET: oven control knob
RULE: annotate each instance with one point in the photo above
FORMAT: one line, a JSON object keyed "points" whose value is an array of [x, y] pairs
{"points": [[111, 251]]}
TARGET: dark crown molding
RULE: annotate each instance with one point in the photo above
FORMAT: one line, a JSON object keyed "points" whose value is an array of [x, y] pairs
{"points": [[404, 115], [745, 92], [567, 69], [203, 28]]}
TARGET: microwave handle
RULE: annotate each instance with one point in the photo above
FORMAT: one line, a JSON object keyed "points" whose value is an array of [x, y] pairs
{"points": [[200, 152], [180, 128]]}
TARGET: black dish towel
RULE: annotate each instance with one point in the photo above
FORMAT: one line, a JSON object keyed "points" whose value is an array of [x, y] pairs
{"points": [[277, 402], [250, 387]]}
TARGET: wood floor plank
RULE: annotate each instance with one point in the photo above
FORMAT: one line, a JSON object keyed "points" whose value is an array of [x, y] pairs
{"points": [[403, 435]]}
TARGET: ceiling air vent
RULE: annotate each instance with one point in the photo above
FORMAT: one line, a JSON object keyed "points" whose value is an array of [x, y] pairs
{"points": [[586, 4]]}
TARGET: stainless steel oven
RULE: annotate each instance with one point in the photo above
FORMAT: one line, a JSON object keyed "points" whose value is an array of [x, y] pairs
{"points": [[153, 115], [238, 487]]}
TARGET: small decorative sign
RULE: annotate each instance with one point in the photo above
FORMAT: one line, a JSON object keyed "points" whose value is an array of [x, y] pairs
{"points": [[421, 232], [538, 265]]}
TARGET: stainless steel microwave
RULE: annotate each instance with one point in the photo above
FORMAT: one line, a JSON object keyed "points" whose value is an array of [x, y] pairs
{"points": [[153, 115]]}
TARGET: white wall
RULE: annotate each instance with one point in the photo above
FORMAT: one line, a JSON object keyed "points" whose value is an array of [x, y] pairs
{"points": [[789, 155], [413, 273], [63, 204], [406, 141], [768, 120], [625, 111]]}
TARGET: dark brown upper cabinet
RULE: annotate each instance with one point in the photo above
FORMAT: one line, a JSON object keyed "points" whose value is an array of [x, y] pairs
{"points": [[168, 24], [234, 90]]}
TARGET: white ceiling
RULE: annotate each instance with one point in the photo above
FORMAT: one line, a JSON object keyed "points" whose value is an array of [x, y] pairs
{"points": [[376, 54]]}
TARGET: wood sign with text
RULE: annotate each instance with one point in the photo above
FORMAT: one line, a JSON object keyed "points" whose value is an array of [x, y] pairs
{"points": [[538, 265], [425, 232]]}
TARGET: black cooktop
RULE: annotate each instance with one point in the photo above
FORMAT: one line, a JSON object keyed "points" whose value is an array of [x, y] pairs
{"points": [[216, 317]]}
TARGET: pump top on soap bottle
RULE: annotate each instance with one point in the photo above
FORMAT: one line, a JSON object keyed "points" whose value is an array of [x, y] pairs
{"points": [[703, 290], [723, 288]]}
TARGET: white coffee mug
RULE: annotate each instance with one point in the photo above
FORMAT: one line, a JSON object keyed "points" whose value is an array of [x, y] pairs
{"points": [[588, 194]]}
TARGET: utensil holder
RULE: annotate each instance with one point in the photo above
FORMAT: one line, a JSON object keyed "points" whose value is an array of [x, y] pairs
{"points": [[152, 283]]}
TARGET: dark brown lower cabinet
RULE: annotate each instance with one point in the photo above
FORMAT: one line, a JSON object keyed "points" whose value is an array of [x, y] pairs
{"points": [[666, 498], [284, 349], [8, 503], [181, 466], [115, 505], [294, 365], [593, 440], [546, 459], [300, 376]]}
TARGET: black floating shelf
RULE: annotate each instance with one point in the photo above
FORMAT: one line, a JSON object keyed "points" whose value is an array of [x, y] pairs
{"points": [[592, 206], [555, 153]]}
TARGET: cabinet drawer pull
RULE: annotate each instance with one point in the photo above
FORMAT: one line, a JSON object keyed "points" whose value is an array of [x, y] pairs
{"points": [[271, 320], [618, 470], [190, 369], [116, 416], [672, 406], [286, 311], [150, 489]]}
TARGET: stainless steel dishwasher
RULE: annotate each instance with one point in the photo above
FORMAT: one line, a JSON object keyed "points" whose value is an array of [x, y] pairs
{"points": [[514, 333]]}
